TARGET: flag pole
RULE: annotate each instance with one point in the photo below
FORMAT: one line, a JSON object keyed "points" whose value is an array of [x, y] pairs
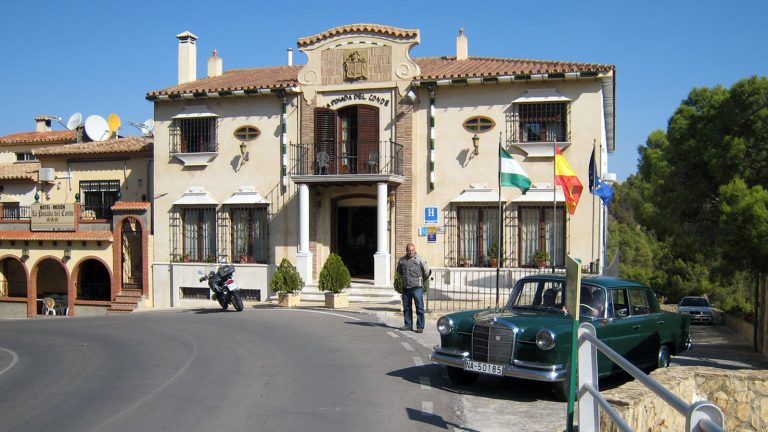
{"points": [[592, 181], [554, 205], [498, 245]]}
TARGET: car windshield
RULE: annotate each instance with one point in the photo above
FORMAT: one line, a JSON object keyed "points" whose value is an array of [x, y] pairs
{"points": [[550, 295], [537, 294], [694, 301]]}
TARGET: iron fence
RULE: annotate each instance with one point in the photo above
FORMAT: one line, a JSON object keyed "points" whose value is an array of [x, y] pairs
{"points": [[13, 288], [453, 289], [15, 212], [316, 159]]}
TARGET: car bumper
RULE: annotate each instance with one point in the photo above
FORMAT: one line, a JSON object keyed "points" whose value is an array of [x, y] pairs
{"points": [[524, 370], [696, 318]]}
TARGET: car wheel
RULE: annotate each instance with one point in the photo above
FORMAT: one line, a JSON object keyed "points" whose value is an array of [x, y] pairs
{"points": [[460, 376], [664, 357]]}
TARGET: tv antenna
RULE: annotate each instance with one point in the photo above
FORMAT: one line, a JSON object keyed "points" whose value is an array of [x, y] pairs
{"points": [[147, 128]]}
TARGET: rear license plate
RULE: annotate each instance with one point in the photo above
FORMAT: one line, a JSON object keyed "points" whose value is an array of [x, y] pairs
{"points": [[486, 368]]}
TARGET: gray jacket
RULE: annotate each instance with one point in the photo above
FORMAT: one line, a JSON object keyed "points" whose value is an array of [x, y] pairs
{"points": [[413, 270]]}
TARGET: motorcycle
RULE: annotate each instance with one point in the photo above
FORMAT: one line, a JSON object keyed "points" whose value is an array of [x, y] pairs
{"points": [[225, 289]]}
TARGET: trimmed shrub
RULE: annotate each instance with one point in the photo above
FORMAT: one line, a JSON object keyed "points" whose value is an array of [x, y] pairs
{"points": [[286, 279], [334, 276]]}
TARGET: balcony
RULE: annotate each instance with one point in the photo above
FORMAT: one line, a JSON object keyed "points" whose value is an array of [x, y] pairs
{"points": [[346, 162]]}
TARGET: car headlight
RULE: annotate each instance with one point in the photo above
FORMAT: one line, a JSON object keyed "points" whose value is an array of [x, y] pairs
{"points": [[545, 339], [444, 325]]}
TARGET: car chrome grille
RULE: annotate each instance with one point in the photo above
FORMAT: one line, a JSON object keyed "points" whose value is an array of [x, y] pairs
{"points": [[493, 343]]}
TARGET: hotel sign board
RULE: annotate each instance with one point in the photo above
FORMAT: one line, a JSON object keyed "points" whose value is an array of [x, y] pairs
{"points": [[52, 217]]}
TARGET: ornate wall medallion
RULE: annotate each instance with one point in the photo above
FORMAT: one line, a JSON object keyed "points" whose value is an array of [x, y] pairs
{"points": [[355, 64]]}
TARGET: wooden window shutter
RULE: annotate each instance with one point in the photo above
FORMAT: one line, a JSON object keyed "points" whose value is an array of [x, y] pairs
{"points": [[367, 138], [325, 135]]}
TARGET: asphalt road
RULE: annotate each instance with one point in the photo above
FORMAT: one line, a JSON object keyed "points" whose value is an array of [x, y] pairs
{"points": [[203, 370]]}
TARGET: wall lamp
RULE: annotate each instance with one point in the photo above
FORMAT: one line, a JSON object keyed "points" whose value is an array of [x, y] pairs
{"points": [[67, 253], [476, 144], [25, 253], [244, 150]]}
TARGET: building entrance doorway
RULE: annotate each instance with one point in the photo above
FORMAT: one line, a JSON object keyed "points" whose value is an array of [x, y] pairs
{"points": [[356, 239]]}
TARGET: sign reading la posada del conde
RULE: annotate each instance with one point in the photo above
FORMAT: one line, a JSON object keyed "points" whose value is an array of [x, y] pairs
{"points": [[52, 217]]}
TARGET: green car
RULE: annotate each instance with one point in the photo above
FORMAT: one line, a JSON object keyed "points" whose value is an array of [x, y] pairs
{"points": [[530, 337]]}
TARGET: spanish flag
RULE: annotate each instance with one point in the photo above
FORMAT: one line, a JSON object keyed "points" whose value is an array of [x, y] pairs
{"points": [[566, 177]]}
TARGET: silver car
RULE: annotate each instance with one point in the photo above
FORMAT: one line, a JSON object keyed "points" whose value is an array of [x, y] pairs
{"points": [[698, 308]]}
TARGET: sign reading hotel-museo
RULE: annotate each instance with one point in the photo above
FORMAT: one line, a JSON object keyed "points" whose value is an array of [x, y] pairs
{"points": [[52, 217]]}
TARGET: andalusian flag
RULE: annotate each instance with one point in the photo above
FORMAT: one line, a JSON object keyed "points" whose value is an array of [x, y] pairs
{"points": [[566, 177], [511, 173]]}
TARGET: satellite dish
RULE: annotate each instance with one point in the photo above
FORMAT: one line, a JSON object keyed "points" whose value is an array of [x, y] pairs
{"points": [[149, 126], [74, 121], [97, 128], [114, 123]]}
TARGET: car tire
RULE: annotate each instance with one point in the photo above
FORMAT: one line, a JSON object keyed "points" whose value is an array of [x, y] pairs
{"points": [[460, 376], [663, 358]]}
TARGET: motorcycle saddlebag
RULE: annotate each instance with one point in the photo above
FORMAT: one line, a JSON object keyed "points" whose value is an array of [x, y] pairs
{"points": [[226, 270]]}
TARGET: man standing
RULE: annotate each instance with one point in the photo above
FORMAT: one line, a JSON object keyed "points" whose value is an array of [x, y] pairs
{"points": [[413, 270]]}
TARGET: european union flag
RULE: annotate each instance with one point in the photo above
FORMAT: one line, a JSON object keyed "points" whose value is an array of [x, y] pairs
{"points": [[596, 185]]}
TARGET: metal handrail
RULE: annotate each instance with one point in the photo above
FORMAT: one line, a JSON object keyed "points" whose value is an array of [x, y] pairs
{"points": [[699, 416]]}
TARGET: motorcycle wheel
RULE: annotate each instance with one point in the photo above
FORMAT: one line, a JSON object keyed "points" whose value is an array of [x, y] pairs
{"points": [[222, 302], [237, 302]]}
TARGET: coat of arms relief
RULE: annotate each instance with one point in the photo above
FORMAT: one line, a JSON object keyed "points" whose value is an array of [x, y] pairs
{"points": [[355, 64]]}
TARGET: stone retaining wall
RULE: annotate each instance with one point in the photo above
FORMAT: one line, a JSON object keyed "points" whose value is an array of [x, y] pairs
{"points": [[741, 394]]}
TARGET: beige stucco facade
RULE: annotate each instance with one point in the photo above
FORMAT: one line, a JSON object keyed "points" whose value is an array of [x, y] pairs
{"points": [[424, 157]]}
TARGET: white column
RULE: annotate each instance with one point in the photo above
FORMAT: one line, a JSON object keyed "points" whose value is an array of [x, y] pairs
{"points": [[381, 260], [304, 256]]}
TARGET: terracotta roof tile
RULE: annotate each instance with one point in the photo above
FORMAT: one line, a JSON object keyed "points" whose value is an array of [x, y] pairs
{"points": [[354, 28], [113, 146], [275, 77], [40, 137], [56, 235], [449, 67], [19, 171], [431, 68], [124, 205]]}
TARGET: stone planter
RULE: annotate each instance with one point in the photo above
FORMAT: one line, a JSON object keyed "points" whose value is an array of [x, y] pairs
{"points": [[336, 301], [290, 300]]}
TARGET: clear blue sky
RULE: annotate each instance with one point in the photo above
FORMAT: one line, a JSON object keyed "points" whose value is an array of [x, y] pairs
{"points": [[103, 57]]}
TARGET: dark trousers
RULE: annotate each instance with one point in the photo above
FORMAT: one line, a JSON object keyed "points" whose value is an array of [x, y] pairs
{"points": [[415, 295]]}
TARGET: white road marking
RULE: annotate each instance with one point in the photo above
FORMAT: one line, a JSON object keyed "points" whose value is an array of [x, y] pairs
{"points": [[418, 361], [426, 383], [14, 360], [313, 311], [407, 346], [427, 408], [393, 334]]}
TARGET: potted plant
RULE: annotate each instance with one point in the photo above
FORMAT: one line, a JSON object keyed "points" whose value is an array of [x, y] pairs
{"points": [[493, 254], [334, 277], [541, 257], [287, 283]]}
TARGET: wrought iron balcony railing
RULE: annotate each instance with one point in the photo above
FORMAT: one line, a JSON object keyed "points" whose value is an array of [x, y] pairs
{"points": [[346, 157]]}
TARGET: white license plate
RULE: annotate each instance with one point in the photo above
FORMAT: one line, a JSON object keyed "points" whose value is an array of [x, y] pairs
{"points": [[486, 368]]}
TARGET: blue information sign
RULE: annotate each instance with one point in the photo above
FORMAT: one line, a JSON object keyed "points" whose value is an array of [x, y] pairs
{"points": [[430, 215]]}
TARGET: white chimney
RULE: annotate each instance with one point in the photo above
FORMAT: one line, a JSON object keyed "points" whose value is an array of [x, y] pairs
{"points": [[290, 57], [187, 57], [461, 46], [42, 123], [215, 64]]}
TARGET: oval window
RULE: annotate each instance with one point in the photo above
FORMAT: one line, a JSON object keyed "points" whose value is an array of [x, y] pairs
{"points": [[479, 124], [247, 133]]}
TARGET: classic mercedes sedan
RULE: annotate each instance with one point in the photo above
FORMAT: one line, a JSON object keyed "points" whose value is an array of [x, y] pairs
{"points": [[530, 337]]}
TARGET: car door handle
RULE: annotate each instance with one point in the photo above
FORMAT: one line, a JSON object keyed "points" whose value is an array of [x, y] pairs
{"points": [[660, 322], [636, 327]]}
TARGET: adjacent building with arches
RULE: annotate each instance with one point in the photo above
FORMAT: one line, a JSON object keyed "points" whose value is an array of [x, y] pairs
{"points": [[76, 224]]}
